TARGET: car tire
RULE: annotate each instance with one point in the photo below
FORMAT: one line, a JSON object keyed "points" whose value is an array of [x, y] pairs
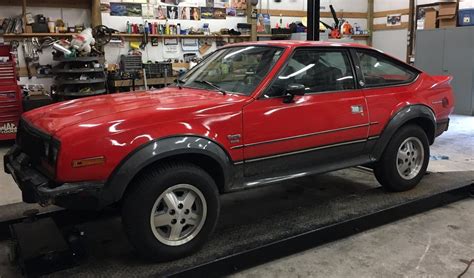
{"points": [[405, 159], [170, 211]]}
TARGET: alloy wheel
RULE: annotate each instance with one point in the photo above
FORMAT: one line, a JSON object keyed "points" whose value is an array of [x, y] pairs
{"points": [[410, 158], [178, 214]]}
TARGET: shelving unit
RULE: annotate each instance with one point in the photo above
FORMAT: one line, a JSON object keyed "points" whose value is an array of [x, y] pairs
{"points": [[122, 35], [79, 77]]}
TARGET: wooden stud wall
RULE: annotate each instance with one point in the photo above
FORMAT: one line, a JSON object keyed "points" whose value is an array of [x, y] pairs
{"points": [[292, 13], [83, 4], [381, 27]]}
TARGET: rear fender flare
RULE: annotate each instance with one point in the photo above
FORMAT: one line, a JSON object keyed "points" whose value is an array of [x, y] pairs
{"points": [[403, 116]]}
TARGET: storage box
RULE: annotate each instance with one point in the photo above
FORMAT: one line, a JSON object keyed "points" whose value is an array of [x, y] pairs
{"points": [[447, 15], [466, 17], [466, 4], [431, 15]]}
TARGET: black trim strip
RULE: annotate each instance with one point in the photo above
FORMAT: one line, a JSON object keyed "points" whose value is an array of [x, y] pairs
{"points": [[305, 150]]}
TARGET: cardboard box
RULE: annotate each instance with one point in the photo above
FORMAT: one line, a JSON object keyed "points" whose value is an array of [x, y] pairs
{"points": [[447, 15], [431, 15], [466, 4]]}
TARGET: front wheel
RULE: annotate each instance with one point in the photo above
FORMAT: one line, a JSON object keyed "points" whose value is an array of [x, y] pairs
{"points": [[171, 211], [405, 159]]}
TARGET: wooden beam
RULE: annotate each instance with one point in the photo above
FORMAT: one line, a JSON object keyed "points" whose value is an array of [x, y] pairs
{"points": [[83, 4], [23, 14], [370, 20], [252, 21], [96, 16], [382, 27], [295, 13], [389, 12], [345, 14]]}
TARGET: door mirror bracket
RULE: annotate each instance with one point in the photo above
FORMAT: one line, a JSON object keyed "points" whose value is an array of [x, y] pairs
{"points": [[293, 90]]}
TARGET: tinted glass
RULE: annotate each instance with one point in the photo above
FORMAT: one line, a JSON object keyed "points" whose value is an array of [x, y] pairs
{"points": [[380, 71], [234, 69], [318, 70]]}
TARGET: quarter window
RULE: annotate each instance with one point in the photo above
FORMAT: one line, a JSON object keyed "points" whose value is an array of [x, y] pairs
{"points": [[378, 70], [318, 70]]}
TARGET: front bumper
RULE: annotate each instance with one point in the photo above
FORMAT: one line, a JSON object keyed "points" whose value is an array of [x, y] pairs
{"points": [[37, 188]]}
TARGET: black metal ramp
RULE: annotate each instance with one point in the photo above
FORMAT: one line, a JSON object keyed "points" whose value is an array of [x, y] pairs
{"points": [[264, 224]]}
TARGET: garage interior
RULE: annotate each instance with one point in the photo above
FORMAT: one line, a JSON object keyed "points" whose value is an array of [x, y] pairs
{"points": [[336, 224]]}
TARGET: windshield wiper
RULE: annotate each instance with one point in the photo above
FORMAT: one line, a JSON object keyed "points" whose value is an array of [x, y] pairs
{"points": [[212, 85]]}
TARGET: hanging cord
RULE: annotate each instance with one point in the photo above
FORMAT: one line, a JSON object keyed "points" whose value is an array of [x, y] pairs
{"points": [[469, 264]]}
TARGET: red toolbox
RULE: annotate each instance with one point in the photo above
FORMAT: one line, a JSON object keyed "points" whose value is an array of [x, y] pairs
{"points": [[10, 95]]}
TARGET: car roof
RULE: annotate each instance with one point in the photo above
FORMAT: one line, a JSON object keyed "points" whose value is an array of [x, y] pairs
{"points": [[292, 44]]}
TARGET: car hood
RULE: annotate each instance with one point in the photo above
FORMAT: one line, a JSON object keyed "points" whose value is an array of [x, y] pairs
{"points": [[55, 117]]}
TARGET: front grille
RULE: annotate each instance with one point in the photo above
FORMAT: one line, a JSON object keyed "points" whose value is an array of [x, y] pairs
{"points": [[32, 142]]}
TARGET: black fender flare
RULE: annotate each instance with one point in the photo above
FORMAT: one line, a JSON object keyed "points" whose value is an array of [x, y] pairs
{"points": [[403, 116], [159, 149]]}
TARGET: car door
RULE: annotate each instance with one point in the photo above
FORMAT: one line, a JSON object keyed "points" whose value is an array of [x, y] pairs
{"points": [[323, 128], [387, 84]]}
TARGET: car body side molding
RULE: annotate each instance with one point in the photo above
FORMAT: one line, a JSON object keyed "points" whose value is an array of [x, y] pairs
{"points": [[160, 149], [400, 118]]}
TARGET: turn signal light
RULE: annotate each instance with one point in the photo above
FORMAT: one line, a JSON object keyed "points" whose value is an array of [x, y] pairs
{"points": [[99, 160]]}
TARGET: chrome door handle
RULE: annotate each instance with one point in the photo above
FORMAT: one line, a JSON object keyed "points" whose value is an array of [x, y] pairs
{"points": [[357, 109]]}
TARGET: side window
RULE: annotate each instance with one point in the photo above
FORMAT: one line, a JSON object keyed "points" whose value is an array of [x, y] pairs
{"points": [[382, 71], [317, 69]]}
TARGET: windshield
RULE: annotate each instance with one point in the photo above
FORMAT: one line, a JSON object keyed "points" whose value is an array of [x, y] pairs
{"points": [[233, 70]]}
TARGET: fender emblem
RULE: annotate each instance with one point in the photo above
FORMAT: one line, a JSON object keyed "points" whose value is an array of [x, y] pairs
{"points": [[234, 138]]}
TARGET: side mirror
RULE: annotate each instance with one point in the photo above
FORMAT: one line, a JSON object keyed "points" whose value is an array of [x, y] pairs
{"points": [[293, 90]]}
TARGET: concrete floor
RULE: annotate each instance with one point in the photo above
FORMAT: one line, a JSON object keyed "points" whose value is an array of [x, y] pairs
{"points": [[430, 244], [427, 245]]}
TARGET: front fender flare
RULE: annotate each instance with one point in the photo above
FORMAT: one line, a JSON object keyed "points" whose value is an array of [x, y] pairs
{"points": [[156, 150], [403, 116]]}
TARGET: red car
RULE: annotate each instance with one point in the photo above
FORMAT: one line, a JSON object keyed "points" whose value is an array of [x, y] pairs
{"points": [[248, 115]]}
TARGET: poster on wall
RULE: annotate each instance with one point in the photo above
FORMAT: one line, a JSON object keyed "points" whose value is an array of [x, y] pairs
{"points": [[263, 24], [231, 12], [219, 13], [170, 2], [172, 12], [209, 3], [238, 4], [184, 13], [240, 12], [394, 20], [125, 9], [221, 3], [105, 7], [207, 13], [161, 12], [195, 13], [147, 11]]}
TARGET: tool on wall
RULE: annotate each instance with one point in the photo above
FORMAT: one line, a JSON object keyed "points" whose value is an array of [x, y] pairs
{"points": [[335, 29], [31, 56], [144, 31], [15, 44]]}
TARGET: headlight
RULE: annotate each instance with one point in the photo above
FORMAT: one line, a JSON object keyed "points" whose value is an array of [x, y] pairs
{"points": [[53, 151]]}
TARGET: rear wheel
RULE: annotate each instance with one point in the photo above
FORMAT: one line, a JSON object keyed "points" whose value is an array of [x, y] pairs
{"points": [[170, 212], [404, 160]]}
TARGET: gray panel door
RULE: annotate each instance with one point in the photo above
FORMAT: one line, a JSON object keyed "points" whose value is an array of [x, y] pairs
{"points": [[429, 44], [458, 62]]}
